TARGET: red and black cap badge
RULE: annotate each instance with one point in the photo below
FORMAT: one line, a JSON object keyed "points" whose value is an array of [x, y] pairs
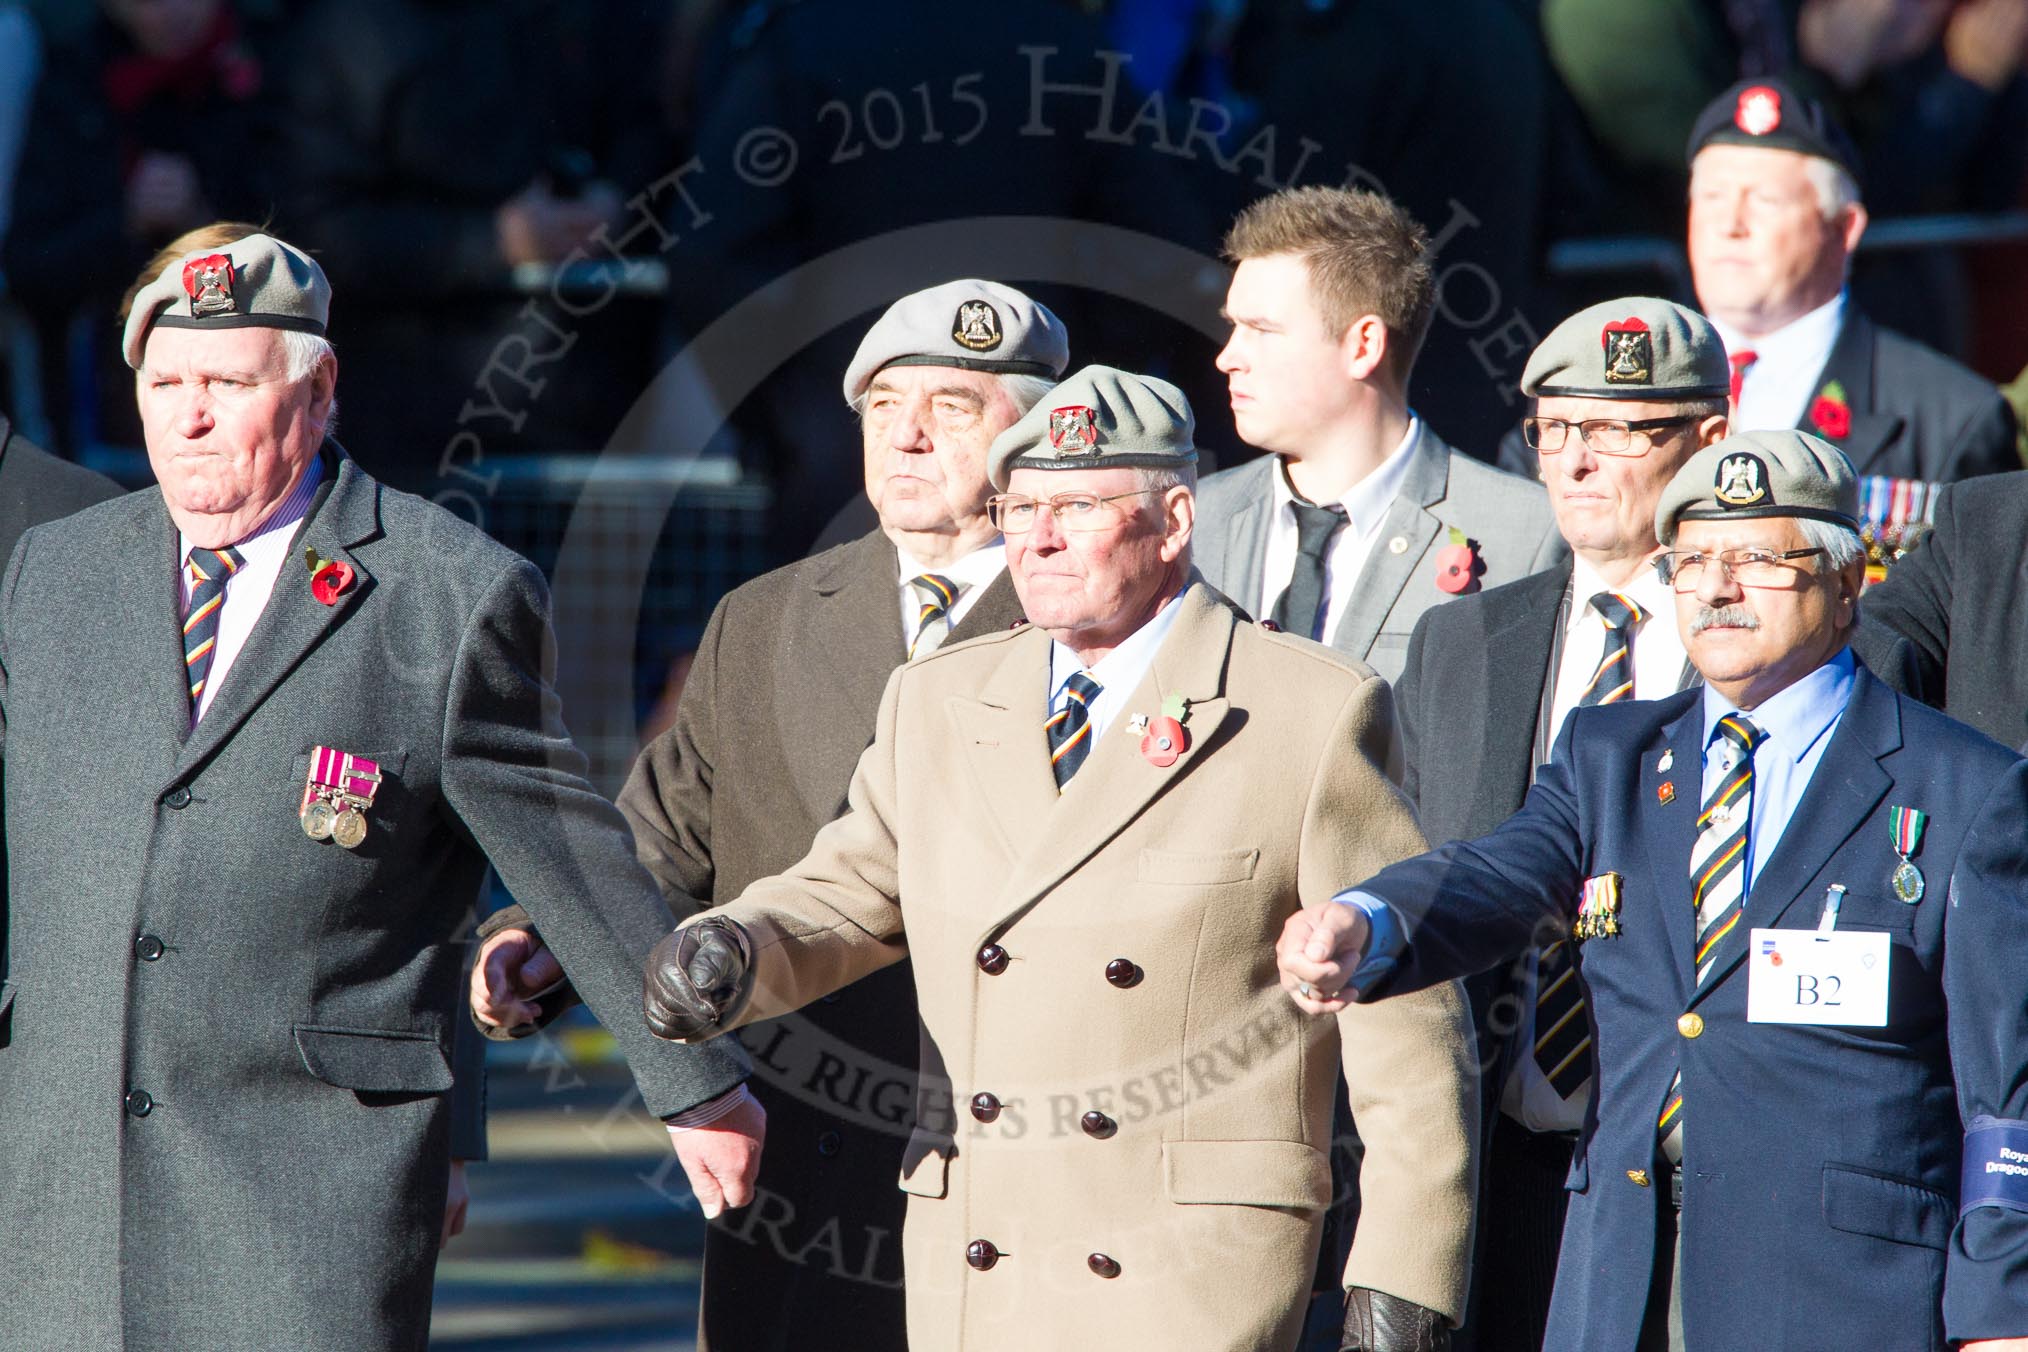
{"points": [[1629, 352], [1073, 429], [208, 282]]}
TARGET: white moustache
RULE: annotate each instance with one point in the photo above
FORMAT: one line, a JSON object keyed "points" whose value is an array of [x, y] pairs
{"points": [[1723, 617]]}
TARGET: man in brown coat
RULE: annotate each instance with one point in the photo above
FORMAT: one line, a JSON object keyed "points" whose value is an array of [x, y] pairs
{"points": [[1085, 835], [776, 710]]}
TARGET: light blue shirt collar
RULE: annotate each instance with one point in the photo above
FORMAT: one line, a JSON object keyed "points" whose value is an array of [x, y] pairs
{"points": [[1795, 719]]}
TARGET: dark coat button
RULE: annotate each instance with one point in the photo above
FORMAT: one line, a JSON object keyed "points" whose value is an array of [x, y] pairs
{"points": [[981, 1254], [1271, 626], [1103, 1266], [985, 1107], [828, 1144], [992, 959], [178, 797], [138, 1102], [1098, 1125], [1123, 973], [148, 947]]}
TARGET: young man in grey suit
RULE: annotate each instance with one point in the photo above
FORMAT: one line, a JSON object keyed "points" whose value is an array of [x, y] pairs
{"points": [[1361, 518], [266, 727], [777, 709]]}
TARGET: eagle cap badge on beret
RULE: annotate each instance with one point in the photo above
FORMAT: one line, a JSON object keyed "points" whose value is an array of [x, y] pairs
{"points": [[1629, 352], [208, 281], [1742, 480], [1759, 110], [977, 327], [1073, 429]]}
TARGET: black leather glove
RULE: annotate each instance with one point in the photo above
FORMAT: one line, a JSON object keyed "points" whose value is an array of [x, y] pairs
{"points": [[1378, 1322], [698, 977]]}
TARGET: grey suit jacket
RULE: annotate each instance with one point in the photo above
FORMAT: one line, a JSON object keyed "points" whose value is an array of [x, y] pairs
{"points": [[1506, 517], [223, 1117]]}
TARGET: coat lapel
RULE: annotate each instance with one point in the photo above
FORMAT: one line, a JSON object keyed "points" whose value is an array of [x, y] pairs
{"points": [[1668, 830], [999, 733], [1389, 570], [1851, 366], [1516, 657], [154, 598], [856, 605], [1116, 783], [347, 514], [1847, 785], [1246, 533]]}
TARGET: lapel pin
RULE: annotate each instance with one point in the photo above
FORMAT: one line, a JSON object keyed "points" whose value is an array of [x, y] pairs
{"points": [[1668, 759], [1163, 739], [1665, 793], [329, 578]]}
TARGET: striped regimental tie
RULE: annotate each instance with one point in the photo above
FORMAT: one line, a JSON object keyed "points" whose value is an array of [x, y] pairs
{"points": [[933, 621], [210, 569], [1562, 1030], [1614, 678], [1717, 876], [1069, 728]]}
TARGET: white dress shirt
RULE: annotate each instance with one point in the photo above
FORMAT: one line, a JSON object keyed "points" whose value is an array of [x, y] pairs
{"points": [[1780, 386], [1658, 673], [1118, 673], [265, 553], [1658, 646], [973, 574], [1365, 504]]}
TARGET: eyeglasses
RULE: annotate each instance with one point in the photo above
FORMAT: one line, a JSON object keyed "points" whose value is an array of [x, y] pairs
{"points": [[1747, 567], [1013, 514], [1607, 436]]}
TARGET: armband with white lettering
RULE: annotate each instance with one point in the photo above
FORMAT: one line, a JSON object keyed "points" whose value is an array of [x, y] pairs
{"points": [[1996, 1165]]}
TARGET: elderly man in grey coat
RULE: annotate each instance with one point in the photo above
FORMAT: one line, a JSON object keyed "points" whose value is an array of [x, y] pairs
{"points": [[265, 726]]}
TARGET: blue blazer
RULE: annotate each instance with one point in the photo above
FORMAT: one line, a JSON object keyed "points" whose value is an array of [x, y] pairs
{"points": [[1821, 1172]]}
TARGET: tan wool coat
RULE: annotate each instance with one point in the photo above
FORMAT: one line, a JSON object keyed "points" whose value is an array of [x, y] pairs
{"points": [[1116, 1095]]}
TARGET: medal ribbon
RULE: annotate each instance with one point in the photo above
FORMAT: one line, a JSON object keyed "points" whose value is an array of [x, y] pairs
{"points": [[1907, 824]]}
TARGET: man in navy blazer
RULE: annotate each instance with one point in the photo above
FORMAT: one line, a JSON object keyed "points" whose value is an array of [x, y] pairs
{"points": [[1757, 1169]]}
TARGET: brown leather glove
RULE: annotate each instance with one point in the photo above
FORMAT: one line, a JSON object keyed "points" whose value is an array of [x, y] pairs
{"points": [[698, 977], [1378, 1322]]}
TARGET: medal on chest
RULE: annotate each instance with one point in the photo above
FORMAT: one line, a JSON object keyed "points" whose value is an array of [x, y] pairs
{"points": [[340, 789]]}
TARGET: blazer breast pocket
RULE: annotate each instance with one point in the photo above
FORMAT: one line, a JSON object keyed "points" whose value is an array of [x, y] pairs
{"points": [[1181, 868]]}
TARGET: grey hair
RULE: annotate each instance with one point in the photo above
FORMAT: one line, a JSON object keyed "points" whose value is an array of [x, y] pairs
{"points": [[1162, 480], [304, 353], [1836, 189], [1024, 392], [1841, 544]]}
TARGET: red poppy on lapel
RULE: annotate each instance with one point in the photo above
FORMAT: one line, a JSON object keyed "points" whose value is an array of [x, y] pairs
{"points": [[1830, 414], [1164, 741], [331, 581], [1458, 565]]}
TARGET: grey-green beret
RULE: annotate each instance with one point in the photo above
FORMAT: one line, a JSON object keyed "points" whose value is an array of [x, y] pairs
{"points": [[1754, 474], [1100, 418], [1638, 347], [972, 325], [255, 283]]}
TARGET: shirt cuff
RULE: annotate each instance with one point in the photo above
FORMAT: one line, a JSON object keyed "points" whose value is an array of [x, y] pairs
{"points": [[1385, 939], [704, 1114]]}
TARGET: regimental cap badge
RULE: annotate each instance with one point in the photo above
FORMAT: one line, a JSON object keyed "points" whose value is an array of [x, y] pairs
{"points": [[977, 327], [1073, 430], [1629, 352], [1759, 110], [1742, 480], [208, 281]]}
